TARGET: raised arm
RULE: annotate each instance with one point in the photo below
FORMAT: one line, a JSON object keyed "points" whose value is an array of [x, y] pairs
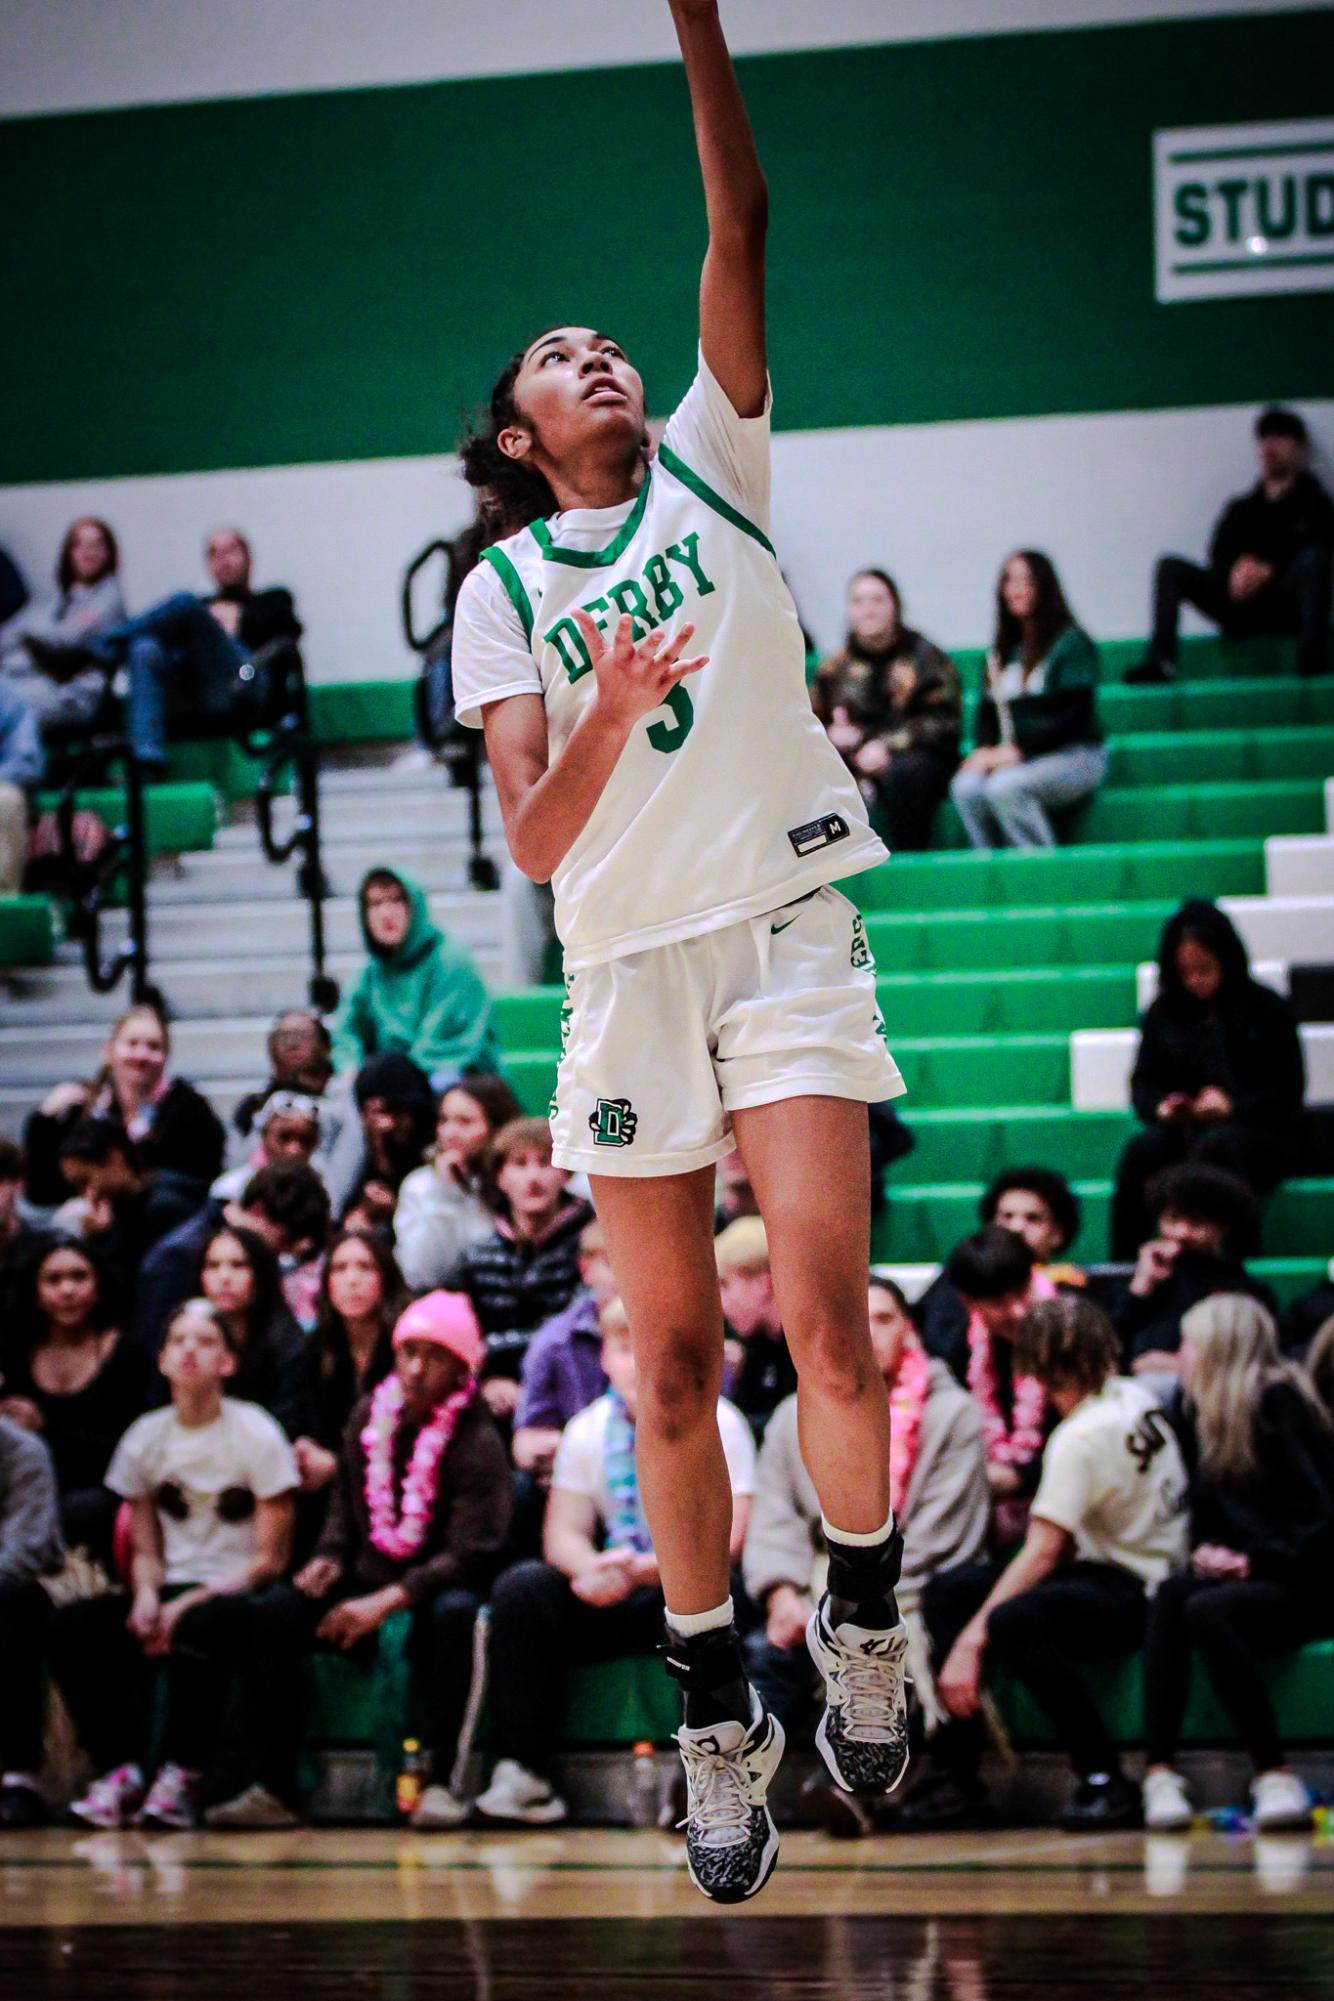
{"points": [[731, 294]]}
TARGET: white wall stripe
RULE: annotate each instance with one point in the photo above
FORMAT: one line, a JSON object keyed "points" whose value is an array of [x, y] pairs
{"points": [[79, 55]]}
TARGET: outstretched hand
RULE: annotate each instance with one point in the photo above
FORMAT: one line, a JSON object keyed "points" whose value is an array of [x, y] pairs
{"points": [[633, 680]]}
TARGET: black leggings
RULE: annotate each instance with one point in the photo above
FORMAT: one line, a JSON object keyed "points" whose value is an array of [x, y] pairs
{"points": [[1083, 1612], [1230, 1623], [25, 1611], [539, 1628], [107, 1681]]}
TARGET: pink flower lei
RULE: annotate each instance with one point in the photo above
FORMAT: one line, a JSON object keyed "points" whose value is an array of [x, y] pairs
{"points": [[907, 1400], [399, 1536], [1021, 1441]]}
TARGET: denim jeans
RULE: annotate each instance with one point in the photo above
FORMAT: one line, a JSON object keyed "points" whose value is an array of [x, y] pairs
{"points": [[1009, 808], [180, 662]]}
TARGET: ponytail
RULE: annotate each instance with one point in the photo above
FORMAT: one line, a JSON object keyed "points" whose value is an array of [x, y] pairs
{"points": [[510, 493]]}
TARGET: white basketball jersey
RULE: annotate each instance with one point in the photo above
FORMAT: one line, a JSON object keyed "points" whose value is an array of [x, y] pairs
{"points": [[729, 799]]}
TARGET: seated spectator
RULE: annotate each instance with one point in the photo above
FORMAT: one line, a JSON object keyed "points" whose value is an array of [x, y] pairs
{"points": [[1259, 1449], [274, 1363], [42, 657], [420, 995], [892, 706], [185, 656], [74, 1378], [760, 1371], [1039, 740], [528, 1268], [30, 1549], [562, 1370], [117, 1205], [361, 1297], [300, 1059], [287, 1205], [1301, 1323], [597, 1595], [995, 1277], [1040, 1206], [396, 1106], [1269, 559], [938, 1491], [287, 1127], [176, 1131], [22, 762], [17, 1237], [210, 1481], [1219, 1076], [442, 1207], [417, 1521], [735, 1196], [1204, 1217], [1107, 1527]]}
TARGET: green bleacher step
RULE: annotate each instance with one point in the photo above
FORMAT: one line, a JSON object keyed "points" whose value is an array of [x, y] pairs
{"points": [[925, 1220], [27, 931], [1180, 757], [1216, 705], [1122, 872], [1184, 812], [363, 711], [967, 940], [177, 818]]}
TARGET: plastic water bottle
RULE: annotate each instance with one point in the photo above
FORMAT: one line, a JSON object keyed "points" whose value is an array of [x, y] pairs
{"points": [[411, 1781], [643, 1789]]}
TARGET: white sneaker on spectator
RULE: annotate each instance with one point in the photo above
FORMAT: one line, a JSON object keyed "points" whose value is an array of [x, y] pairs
{"points": [[1281, 1803], [439, 1807], [515, 1793], [256, 1807], [113, 1800], [419, 758], [173, 1800], [1167, 1807]]}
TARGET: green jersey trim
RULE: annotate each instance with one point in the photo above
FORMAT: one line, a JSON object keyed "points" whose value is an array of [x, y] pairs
{"points": [[514, 587], [595, 559], [703, 491]]}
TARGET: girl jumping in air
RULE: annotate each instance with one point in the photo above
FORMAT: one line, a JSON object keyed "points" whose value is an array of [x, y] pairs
{"points": [[634, 656]]}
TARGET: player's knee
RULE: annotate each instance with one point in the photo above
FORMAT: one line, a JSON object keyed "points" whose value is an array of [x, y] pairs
{"points": [[677, 1388], [832, 1361]]}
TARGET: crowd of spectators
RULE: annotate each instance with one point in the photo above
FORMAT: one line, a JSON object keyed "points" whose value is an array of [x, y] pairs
{"points": [[340, 1368]]}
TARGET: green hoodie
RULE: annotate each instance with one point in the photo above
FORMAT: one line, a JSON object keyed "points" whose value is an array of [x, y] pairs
{"points": [[425, 999]]}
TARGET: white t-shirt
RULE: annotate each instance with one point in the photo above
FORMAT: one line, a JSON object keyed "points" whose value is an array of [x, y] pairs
{"points": [[581, 1464], [244, 1447], [1113, 1478], [727, 801]]}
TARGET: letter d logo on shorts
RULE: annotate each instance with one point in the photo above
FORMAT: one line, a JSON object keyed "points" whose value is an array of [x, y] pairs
{"points": [[614, 1122]]}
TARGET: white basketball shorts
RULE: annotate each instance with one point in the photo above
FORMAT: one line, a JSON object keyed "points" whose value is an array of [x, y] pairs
{"points": [[661, 1046]]}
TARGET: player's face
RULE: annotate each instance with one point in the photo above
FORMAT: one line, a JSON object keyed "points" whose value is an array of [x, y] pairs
{"points": [[574, 386]]}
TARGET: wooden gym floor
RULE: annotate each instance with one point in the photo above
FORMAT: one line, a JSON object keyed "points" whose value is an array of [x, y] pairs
{"points": [[555, 1916]]}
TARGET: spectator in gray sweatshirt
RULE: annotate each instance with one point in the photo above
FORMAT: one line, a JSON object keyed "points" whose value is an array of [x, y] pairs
{"points": [[938, 1486], [40, 646], [30, 1549]]}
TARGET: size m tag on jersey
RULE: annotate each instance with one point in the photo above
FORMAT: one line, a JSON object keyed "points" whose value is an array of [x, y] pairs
{"points": [[818, 834]]}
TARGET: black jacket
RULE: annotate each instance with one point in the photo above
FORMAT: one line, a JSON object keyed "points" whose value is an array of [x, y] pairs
{"points": [[515, 1285], [1248, 1046], [186, 1139], [265, 616], [1283, 1519], [1273, 531], [1150, 1323]]}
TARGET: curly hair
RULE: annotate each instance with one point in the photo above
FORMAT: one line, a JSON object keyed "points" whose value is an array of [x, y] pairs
{"points": [[510, 494]]}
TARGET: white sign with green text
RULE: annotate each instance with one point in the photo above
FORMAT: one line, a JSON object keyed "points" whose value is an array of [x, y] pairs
{"points": [[1244, 209]]}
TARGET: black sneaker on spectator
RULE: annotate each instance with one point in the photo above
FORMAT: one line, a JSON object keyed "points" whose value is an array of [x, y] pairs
{"points": [[1148, 671], [256, 1808], [21, 1805], [863, 1733], [731, 1840], [1107, 1801], [940, 1803]]}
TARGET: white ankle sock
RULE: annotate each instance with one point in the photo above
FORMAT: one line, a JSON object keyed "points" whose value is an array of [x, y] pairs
{"points": [[851, 1540], [688, 1624]]}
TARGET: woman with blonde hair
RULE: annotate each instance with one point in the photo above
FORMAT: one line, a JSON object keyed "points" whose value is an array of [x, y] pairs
{"points": [[174, 1128], [1259, 1448]]}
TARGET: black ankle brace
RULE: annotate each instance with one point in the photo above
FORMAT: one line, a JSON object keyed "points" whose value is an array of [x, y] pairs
{"points": [[703, 1662], [856, 1573]]}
